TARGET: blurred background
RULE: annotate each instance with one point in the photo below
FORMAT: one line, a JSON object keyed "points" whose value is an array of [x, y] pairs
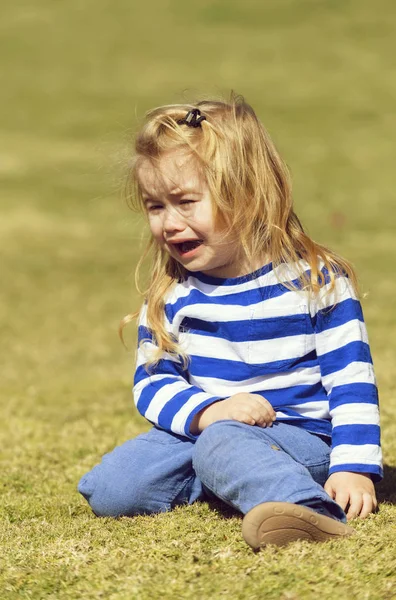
{"points": [[75, 79]]}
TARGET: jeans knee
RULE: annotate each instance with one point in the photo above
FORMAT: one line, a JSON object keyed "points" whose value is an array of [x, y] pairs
{"points": [[211, 442], [105, 500], [116, 498]]}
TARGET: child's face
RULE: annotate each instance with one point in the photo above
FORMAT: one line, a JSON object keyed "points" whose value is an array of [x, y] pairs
{"points": [[180, 215]]}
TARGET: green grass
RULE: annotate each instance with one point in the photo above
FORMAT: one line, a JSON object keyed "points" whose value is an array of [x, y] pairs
{"points": [[74, 78]]}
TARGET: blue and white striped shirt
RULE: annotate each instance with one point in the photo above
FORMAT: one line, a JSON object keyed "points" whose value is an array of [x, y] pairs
{"points": [[309, 358]]}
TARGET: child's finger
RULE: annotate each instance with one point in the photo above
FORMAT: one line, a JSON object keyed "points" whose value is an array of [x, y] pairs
{"points": [[342, 499], [260, 418], [264, 417], [251, 416], [368, 506], [267, 405], [264, 420], [247, 419], [355, 506], [328, 488], [245, 415]]}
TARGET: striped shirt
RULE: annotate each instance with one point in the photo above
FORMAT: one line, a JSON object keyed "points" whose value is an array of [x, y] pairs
{"points": [[308, 357]]}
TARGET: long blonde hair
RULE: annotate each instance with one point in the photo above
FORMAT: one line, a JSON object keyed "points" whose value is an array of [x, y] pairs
{"points": [[251, 193]]}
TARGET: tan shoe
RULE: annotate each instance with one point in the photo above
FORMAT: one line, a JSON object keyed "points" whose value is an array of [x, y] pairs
{"points": [[280, 523]]}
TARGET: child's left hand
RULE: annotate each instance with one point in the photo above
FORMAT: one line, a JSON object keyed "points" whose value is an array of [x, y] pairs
{"points": [[352, 491]]}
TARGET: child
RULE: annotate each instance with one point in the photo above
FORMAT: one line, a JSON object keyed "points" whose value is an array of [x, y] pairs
{"points": [[253, 362]]}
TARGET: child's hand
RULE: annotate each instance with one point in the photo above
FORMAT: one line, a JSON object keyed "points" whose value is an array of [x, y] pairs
{"points": [[251, 409], [352, 491]]}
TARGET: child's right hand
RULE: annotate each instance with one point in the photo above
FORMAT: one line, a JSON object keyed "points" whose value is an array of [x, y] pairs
{"points": [[244, 407], [251, 409]]}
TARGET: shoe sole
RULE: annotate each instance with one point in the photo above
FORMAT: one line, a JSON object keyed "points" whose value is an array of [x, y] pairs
{"points": [[280, 523]]}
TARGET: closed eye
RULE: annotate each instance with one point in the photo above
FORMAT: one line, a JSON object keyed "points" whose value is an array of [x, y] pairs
{"points": [[187, 202], [153, 207]]}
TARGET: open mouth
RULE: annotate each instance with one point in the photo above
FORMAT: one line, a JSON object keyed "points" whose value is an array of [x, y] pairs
{"points": [[186, 247]]}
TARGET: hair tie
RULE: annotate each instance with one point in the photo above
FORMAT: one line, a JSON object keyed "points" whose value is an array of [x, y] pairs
{"points": [[193, 118]]}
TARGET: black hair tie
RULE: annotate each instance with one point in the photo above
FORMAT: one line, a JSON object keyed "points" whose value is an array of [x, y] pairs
{"points": [[193, 118]]}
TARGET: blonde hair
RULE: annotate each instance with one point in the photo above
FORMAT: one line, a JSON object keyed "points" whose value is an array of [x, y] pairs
{"points": [[251, 192]]}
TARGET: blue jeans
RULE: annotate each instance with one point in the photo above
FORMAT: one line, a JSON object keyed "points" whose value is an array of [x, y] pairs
{"points": [[240, 464]]}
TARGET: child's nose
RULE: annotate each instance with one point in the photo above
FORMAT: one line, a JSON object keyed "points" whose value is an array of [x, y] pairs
{"points": [[173, 221]]}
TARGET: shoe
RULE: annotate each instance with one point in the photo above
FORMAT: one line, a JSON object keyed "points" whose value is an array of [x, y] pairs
{"points": [[280, 523]]}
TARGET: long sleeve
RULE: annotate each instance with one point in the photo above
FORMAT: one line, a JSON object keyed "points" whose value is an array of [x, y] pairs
{"points": [[163, 394], [348, 378]]}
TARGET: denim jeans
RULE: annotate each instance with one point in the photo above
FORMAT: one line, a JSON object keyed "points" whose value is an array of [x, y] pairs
{"points": [[240, 464]]}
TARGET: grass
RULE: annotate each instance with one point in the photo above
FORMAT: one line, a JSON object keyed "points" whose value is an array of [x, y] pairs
{"points": [[74, 77]]}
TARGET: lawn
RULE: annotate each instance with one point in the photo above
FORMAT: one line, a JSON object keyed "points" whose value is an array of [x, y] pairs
{"points": [[75, 79]]}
